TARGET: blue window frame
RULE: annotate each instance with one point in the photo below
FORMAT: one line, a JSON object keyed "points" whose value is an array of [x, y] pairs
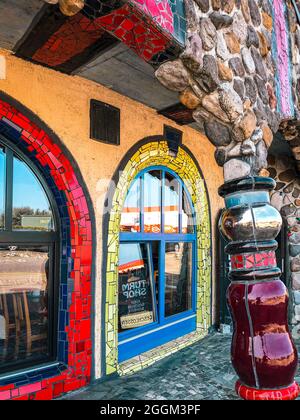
{"points": [[158, 250]]}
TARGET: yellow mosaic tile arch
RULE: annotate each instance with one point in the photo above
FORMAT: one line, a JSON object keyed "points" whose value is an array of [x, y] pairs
{"points": [[156, 154]]}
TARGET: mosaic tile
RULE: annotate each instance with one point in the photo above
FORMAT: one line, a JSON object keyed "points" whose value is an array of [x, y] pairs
{"points": [[154, 29], [75, 325], [189, 173]]}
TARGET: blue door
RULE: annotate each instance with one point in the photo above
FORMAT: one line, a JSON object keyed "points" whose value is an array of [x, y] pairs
{"points": [[157, 263]]}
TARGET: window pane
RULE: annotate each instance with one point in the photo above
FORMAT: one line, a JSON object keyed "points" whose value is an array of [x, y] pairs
{"points": [[152, 202], [136, 289], [23, 304], [171, 204], [2, 186], [130, 217], [31, 209], [178, 278], [188, 219]]}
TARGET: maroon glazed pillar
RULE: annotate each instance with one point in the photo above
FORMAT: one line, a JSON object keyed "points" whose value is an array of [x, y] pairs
{"points": [[263, 353]]}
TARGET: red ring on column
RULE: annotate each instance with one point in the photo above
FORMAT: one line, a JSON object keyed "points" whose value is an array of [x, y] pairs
{"points": [[254, 394]]}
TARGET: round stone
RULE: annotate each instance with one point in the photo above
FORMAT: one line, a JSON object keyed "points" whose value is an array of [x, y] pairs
{"points": [[207, 77], [295, 264], [264, 172], [287, 176], [217, 133], [236, 168], [225, 73], [273, 118], [292, 19], [257, 135], [220, 20], [279, 186], [296, 192], [220, 155], [227, 5], [272, 172], [296, 281], [296, 295], [71, 8], [259, 110], [245, 10], [259, 64], [263, 44], [208, 33], [267, 134], [247, 148], [237, 67], [262, 90], [248, 61], [260, 156], [254, 12], [189, 99], [211, 104], [250, 89], [288, 189], [239, 27], [294, 250], [272, 96], [232, 42], [267, 21], [216, 4], [266, 6], [221, 47], [239, 87], [230, 101], [248, 124], [252, 37], [192, 56], [173, 75], [203, 4], [295, 238]]}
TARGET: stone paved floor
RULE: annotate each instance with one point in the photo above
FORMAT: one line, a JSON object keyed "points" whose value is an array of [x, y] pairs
{"points": [[201, 371]]}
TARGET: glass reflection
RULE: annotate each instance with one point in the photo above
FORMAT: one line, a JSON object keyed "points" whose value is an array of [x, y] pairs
{"points": [[136, 286], [31, 209], [130, 217], [171, 204], [152, 202], [2, 186], [178, 278], [24, 273], [187, 215]]}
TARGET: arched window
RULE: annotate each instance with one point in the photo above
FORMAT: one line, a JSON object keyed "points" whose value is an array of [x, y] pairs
{"points": [[28, 245], [156, 263]]}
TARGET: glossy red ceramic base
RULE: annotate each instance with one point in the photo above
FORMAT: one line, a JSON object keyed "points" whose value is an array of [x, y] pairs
{"points": [[283, 394]]}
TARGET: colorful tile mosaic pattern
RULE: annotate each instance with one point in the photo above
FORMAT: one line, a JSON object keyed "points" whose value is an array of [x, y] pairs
{"points": [[154, 29], [153, 154], [281, 54], [249, 261], [74, 331]]}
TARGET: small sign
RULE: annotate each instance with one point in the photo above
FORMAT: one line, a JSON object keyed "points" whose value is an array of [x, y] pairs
{"points": [[135, 288], [136, 320]]}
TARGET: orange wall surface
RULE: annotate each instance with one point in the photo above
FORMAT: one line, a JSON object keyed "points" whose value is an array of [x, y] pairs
{"points": [[62, 102]]}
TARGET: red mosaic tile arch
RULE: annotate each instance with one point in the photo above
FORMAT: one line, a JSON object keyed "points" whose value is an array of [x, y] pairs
{"points": [[78, 330]]}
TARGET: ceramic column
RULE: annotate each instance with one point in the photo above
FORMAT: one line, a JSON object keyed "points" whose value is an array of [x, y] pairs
{"points": [[263, 353]]}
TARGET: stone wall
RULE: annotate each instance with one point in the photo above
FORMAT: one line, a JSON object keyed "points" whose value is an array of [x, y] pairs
{"points": [[286, 198], [228, 76]]}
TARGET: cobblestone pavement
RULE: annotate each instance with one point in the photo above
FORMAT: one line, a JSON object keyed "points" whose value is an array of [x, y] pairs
{"points": [[201, 372]]}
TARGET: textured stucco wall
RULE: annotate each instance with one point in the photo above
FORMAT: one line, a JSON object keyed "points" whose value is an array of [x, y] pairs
{"points": [[62, 102]]}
